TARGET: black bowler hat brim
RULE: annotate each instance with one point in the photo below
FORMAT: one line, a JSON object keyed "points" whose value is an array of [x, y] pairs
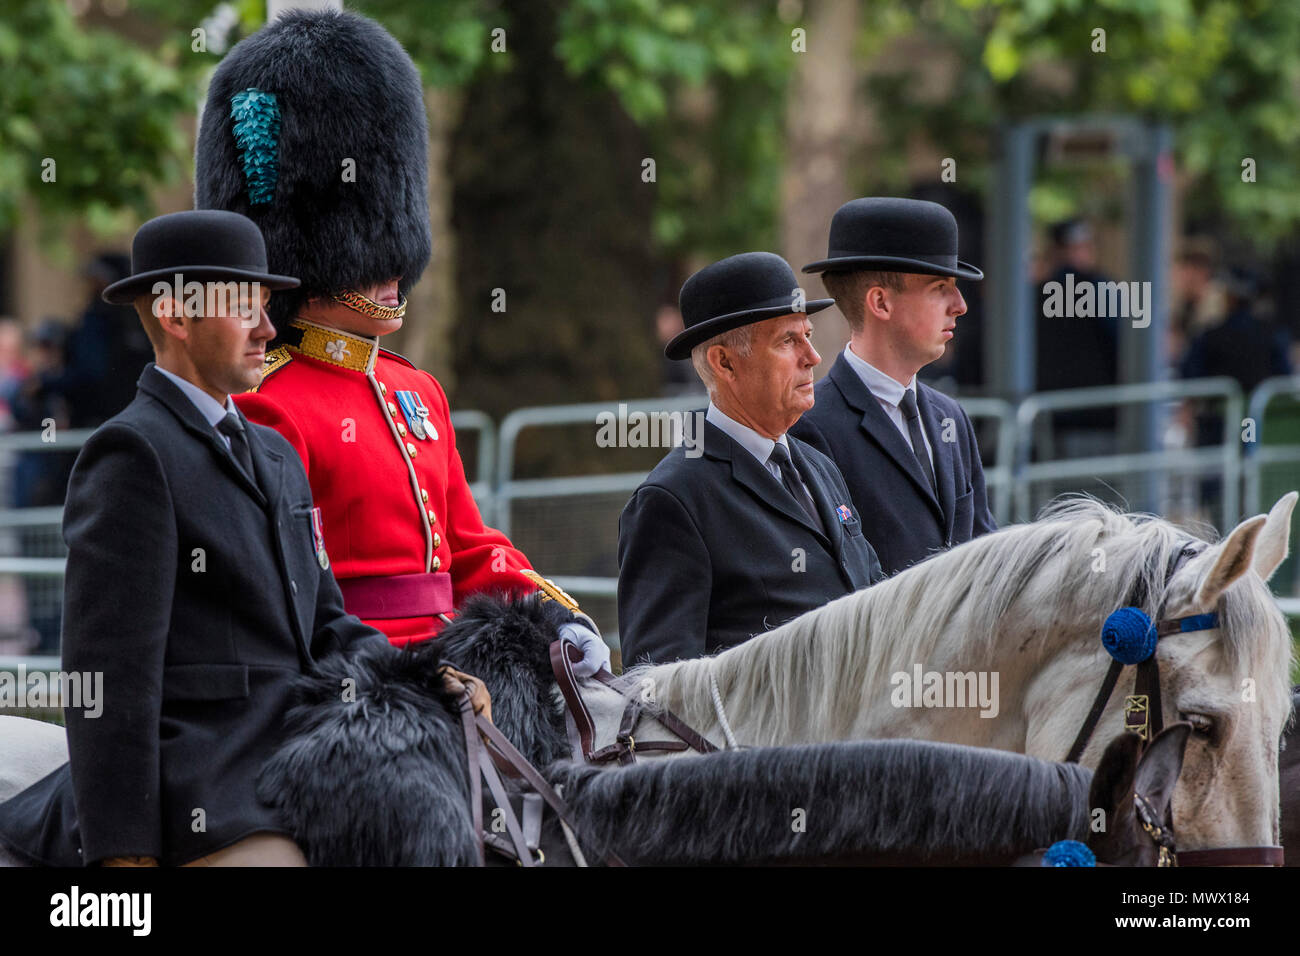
{"points": [[685, 340], [963, 270], [125, 291]]}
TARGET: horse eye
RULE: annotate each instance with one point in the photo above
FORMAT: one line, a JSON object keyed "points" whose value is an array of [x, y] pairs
{"points": [[1202, 725]]}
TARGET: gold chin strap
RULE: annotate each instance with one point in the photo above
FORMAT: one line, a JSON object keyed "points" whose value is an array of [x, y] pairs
{"points": [[551, 591], [359, 303]]}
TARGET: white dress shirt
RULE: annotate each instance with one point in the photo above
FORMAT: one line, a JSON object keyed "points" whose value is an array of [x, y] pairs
{"points": [[890, 395], [208, 407], [757, 445]]}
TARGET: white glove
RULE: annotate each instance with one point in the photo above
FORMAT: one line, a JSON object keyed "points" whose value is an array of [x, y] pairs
{"points": [[595, 652]]}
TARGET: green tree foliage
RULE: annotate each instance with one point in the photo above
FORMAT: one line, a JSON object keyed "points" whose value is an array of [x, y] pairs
{"points": [[449, 40], [1224, 74], [104, 110], [706, 81]]}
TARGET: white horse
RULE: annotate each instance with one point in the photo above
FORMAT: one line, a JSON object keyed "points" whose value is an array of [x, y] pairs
{"points": [[1025, 604]]}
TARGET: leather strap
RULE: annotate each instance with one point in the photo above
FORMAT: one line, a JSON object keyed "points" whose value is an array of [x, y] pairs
{"points": [[475, 781], [1094, 715], [398, 595], [1146, 684], [564, 654], [522, 853], [624, 739], [529, 774], [1233, 856], [615, 750], [696, 741], [562, 669]]}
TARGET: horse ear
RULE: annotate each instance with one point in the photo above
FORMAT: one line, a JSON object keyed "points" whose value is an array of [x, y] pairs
{"points": [[1161, 763], [1232, 561], [1114, 774], [1271, 548]]}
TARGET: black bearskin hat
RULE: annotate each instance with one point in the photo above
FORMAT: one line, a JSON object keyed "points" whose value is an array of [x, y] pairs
{"points": [[315, 129]]}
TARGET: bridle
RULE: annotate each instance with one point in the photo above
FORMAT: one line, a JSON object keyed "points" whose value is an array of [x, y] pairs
{"points": [[489, 754], [1161, 836], [624, 748], [1143, 714]]}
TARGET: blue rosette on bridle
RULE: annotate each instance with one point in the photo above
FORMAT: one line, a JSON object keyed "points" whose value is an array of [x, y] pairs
{"points": [[1068, 853], [1129, 636]]}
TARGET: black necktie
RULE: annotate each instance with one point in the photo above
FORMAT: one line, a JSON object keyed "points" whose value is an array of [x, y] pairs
{"points": [[912, 415], [233, 428], [790, 478]]}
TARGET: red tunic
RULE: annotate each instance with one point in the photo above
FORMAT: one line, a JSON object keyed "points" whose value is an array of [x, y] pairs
{"points": [[391, 502]]}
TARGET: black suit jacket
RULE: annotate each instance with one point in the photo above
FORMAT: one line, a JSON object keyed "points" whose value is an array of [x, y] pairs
{"points": [[713, 550], [902, 517], [200, 597]]}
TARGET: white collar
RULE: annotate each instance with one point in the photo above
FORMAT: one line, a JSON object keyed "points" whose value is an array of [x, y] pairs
{"points": [[883, 386], [757, 445], [208, 407]]}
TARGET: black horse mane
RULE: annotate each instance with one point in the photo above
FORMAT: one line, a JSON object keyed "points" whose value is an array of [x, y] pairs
{"points": [[382, 779], [912, 800]]}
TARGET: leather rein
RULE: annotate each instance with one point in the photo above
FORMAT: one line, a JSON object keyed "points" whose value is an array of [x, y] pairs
{"points": [[487, 750], [1143, 716], [564, 654]]}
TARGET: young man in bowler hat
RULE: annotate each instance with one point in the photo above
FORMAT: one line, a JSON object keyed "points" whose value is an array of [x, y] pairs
{"points": [[760, 528], [197, 581], [907, 451]]}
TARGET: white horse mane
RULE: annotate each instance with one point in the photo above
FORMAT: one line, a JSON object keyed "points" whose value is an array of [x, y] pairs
{"points": [[859, 642]]}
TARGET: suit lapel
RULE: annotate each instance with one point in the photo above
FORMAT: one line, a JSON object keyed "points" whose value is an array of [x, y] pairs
{"points": [[760, 482], [157, 385], [268, 465], [877, 426], [944, 471]]}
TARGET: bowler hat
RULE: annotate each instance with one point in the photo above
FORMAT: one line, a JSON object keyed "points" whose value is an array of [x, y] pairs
{"points": [[202, 245], [894, 235], [736, 291]]}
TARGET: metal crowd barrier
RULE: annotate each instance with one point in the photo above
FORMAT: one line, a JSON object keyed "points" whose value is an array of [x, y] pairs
{"points": [[580, 554], [1162, 463], [481, 426]]}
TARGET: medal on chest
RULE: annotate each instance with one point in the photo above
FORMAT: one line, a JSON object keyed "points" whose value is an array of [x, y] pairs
{"points": [[416, 414], [318, 537]]}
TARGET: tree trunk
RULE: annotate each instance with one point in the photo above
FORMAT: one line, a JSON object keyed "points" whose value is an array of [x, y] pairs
{"points": [[425, 339], [820, 118]]}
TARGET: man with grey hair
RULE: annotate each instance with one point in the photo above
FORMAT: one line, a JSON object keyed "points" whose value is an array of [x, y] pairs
{"points": [[760, 528]]}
